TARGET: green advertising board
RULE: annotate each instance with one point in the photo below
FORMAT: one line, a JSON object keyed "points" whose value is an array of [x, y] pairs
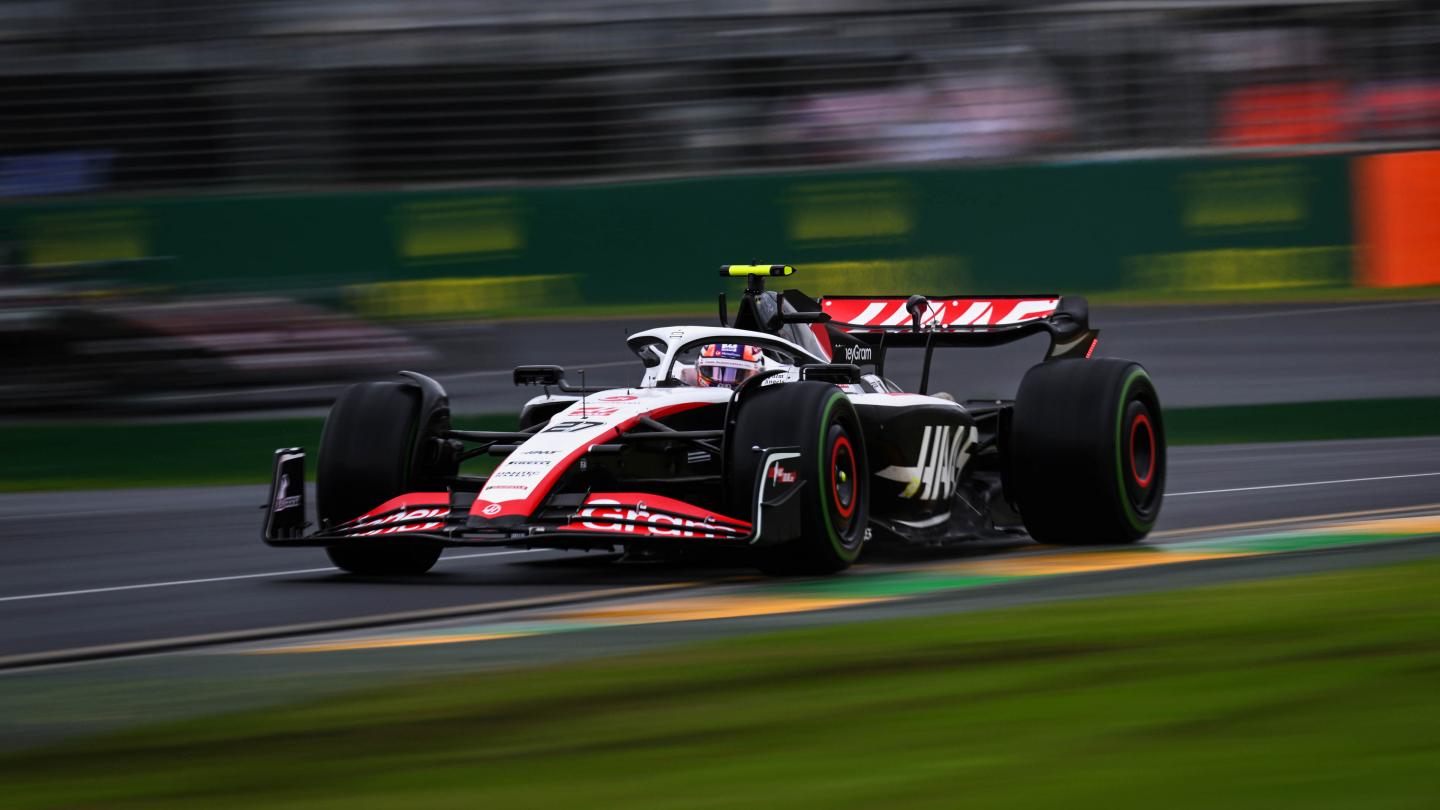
{"points": [[1161, 225]]}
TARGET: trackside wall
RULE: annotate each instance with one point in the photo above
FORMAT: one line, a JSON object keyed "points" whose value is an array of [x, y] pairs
{"points": [[1158, 226]]}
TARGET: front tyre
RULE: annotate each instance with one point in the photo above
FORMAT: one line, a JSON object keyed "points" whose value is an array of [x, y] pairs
{"points": [[1087, 452], [819, 419], [371, 451]]}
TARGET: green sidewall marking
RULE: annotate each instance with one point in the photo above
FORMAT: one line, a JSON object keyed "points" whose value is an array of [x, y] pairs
{"points": [[847, 555], [1130, 514]]}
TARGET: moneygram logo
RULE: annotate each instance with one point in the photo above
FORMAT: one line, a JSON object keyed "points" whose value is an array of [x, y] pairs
{"points": [[606, 515]]}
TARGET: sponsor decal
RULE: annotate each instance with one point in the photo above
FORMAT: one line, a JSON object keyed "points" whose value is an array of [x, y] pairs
{"points": [[492, 509], [382, 525], [845, 212], [572, 426], [651, 515], [554, 449], [859, 354], [283, 501], [944, 312], [779, 475], [599, 515], [593, 410], [944, 449], [458, 296], [618, 398]]}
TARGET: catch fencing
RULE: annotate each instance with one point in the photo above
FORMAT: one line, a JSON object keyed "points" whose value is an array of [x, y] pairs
{"points": [[107, 96]]}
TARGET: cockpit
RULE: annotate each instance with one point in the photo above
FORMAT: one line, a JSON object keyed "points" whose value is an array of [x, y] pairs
{"points": [[676, 356]]}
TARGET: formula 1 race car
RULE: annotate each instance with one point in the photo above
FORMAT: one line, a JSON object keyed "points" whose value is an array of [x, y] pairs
{"points": [[779, 437]]}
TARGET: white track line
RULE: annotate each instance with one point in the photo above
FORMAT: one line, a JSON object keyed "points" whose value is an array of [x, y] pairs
{"points": [[1303, 484], [295, 572], [265, 575]]}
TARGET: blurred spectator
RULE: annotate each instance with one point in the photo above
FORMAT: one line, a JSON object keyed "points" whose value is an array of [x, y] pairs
{"points": [[1301, 113], [1397, 109], [54, 173], [1283, 114], [130, 97], [959, 114]]}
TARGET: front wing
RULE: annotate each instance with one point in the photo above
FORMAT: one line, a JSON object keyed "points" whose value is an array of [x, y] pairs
{"points": [[581, 520]]}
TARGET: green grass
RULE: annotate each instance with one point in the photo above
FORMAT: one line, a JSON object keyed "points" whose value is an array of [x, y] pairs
{"points": [[1314, 692], [100, 455]]}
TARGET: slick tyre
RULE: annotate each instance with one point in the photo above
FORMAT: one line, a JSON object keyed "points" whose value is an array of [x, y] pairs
{"points": [[371, 451], [817, 418], [1087, 452]]}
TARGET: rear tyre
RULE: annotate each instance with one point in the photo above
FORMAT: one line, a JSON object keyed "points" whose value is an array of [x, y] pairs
{"points": [[1087, 452], [372, 450], [835, 499]]}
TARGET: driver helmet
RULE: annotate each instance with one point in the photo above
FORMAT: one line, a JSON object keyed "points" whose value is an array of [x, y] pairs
{"points": [[726, 365]]}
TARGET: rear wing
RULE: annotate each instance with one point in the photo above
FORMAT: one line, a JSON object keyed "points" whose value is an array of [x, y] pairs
{"points": [[861, 328], [954, 320], [928, 322], [871, 313]]}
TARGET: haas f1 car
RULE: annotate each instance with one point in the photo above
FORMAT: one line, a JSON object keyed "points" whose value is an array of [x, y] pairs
{"points": [[779, 437]]}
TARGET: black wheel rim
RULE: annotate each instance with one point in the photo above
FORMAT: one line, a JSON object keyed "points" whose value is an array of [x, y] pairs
{"points": [[843, 477], [1142, 450], [1142, 457], [843, 486]]}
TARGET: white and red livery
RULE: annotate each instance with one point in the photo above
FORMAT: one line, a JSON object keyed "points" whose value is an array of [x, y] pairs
{"points": [[797, 459]]}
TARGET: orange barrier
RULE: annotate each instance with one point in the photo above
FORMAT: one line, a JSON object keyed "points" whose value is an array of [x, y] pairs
{"points": [[1397, 219]]}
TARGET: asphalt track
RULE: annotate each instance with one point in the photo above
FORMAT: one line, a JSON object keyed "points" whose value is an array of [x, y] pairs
{"points": [[1198, 355], [86, 570]]}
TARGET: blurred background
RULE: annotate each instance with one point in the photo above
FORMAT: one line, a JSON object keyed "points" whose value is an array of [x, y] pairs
{"points": [[262, 95], [204, 198], [214, 214]]}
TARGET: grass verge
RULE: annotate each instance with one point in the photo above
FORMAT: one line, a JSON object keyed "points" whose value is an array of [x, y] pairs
{"points": [[146, 454], [1314, 692], [87, 455]]}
